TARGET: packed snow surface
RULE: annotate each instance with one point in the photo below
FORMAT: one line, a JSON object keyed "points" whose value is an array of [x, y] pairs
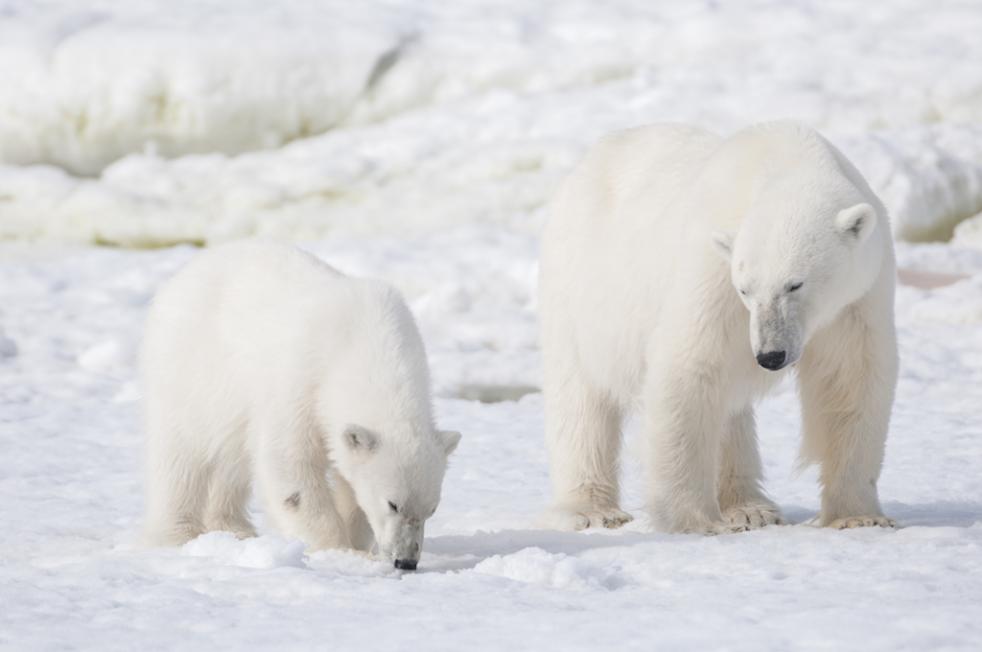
{"points": [[417, 142], [147, 122], [72, 576]]}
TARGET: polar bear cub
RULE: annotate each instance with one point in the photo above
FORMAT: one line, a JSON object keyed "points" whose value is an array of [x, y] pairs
{"points": [[261, 361], [685, 273]]}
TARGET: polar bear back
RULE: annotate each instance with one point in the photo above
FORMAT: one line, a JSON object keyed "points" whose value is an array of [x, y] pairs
{"points": [[608, 227]]}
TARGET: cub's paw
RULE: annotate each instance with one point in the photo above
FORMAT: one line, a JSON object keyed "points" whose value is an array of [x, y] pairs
{"points": [[751, 516], [862, 521], [570, 519], [240, 529]]}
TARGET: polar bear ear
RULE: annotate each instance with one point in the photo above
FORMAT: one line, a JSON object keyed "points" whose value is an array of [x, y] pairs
{"points": [[723, 244], [450, 439], [856, 221], [359, 439]]}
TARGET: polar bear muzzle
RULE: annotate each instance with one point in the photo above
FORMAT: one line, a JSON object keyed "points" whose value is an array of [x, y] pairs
{"points": [[772, 360]]}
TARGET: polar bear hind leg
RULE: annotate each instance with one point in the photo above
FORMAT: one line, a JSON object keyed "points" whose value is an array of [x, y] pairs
{"points": [[229, 491], [177, 485], [583, 433]]}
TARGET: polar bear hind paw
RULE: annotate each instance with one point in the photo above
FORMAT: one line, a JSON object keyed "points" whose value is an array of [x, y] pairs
{"points": [[570, 519], [862, 521]]}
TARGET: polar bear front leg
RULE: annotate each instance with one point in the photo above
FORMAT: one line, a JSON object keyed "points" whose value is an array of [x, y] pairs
{"points": [[683, 422], [847, 377], [291, 465], [355, 522], [583, 434], [742, 501]]}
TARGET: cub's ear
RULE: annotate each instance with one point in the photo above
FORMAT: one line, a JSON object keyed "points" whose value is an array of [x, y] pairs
{"points": [[360, 440], [723, 244], [856, 221], [450, 439]]}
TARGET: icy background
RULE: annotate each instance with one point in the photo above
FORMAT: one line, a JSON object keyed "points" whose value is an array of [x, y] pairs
{"points": [[418, 142]]}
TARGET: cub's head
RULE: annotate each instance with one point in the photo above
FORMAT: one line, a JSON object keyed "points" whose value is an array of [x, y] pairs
{"points": [[397, 482], [797, 265]]}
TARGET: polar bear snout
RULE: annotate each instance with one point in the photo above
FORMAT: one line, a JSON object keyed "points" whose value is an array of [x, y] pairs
{"points": [[776, 332], [406, 564], [772, 360], [401, 542]]}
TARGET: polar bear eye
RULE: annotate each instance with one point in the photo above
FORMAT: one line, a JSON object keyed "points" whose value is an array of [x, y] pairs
{"points": [[743, 292], [795, 286], [393, 507]]}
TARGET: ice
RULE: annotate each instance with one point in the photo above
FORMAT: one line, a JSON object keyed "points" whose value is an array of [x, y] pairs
{"points": [[970, 231], [131, 124]]}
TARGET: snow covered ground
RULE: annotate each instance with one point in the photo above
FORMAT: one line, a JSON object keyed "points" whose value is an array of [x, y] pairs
{"points": [[71, 576], [416, 142]]}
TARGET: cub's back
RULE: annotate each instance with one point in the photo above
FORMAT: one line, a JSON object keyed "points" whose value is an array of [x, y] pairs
{"points": [[242, 307]]}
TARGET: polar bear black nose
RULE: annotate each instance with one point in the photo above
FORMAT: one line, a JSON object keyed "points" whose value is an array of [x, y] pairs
{"points": [[772, 360], [406, 564]]}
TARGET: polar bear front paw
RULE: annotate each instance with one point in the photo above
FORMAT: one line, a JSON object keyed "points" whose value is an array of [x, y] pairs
{"points": [[751, 516], [571, 519], [862, 521]]}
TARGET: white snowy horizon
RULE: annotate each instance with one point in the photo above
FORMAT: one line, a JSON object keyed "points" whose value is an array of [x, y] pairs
{"points": [[418, 142]]}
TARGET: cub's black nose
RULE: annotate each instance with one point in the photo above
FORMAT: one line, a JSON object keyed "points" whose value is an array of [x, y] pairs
{"points": [[406, 564], [772, 360]]}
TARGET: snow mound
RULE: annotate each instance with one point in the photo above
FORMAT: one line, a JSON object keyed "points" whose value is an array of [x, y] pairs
{"points": [[969, 232], [258, 552], [930, 178], [551, 570]]}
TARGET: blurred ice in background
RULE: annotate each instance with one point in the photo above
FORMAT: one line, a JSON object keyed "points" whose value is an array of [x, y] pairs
{"points": [[147, 122]]}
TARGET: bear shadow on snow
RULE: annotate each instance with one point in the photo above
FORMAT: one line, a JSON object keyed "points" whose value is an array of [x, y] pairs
{"points": [[462, 552], [944, 513]]}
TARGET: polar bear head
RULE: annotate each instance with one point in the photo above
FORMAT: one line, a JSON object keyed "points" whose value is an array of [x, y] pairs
{"points": [[396, 477], [804, 251]]}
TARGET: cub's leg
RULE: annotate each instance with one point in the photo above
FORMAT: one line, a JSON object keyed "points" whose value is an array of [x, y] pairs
{"points": [[583, 434], [742, 501], [291, 466], [847, 378], [228, 494], [356, 524], [176, 489]]}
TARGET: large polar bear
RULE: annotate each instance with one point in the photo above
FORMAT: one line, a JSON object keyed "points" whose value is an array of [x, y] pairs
{"points": [[261, 360], [640, 307]]}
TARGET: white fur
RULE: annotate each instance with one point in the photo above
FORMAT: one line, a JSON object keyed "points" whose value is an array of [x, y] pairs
{"points": [[648, 244], [261, 361]]}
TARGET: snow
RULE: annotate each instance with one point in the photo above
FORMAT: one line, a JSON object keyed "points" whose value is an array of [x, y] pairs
{"points": [[73, 576], [417, 142], [125, 123]]}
